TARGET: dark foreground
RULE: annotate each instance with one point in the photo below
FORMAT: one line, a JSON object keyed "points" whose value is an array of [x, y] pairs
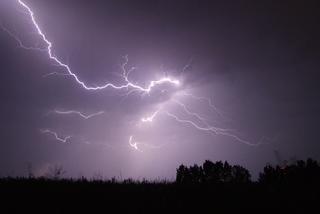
{"points": [[82, 196], [210, 188]]}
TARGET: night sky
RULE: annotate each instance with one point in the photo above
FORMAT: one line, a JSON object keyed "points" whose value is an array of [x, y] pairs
{"points": [[257, 61]]}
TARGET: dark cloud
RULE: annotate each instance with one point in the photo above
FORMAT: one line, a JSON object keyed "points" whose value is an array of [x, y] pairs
{"points": [[258, 61]]}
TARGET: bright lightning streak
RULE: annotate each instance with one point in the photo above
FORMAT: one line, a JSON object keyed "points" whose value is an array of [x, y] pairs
{"points": [[63, 140], [150, 118], [79, 113], [127, 84], [133, 144]]}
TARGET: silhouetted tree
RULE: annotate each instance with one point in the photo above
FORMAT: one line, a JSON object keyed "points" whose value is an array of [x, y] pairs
{"points": [[213, 173], [194, 174], [271, 175], [240, 174], [208, 169]]}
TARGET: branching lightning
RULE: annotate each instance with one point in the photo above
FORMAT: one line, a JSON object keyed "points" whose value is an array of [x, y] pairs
{"points": [[199, 117], [214, 130], [127, 84], [207, 100], [198, 121], [186, 109]]}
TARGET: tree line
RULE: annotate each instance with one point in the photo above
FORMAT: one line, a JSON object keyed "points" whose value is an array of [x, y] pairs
{"points": [[304, 172]]}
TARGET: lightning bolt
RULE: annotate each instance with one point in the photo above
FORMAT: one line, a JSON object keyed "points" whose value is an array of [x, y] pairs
{"points": [[127, 84], [63, 140], [79, 113], [150, 118], [134, 144]]}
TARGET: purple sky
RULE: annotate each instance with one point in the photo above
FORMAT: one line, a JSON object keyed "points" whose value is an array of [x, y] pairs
{"points": [[256, 62]]}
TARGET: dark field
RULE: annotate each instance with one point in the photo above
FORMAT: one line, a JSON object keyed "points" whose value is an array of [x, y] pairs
{"points": [[293, 188]]}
